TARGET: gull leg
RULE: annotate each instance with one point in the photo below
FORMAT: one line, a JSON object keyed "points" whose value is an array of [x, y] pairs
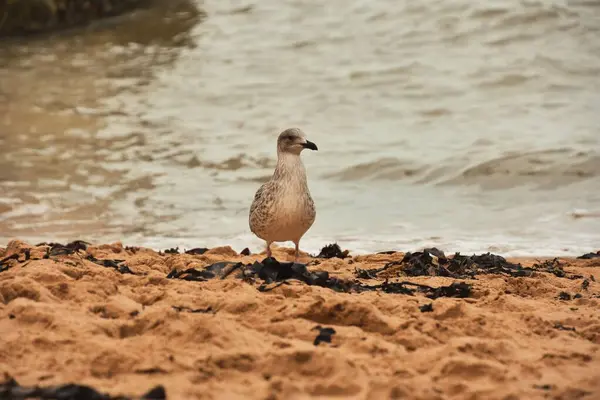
{"points": [[269, 250], [297, 251]]}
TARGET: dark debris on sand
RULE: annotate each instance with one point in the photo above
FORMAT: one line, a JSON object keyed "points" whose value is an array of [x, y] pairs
{"points": [[107, 263], [554, 267], [206, 310], [271, 271], [564, 296], [561, 327], [331, 251], [57, 249], [221, 269], [589, 256], [4, 263], [52, 249], [433, 262], [324, 335], [197, 251], [13, 391], [426, 307]]}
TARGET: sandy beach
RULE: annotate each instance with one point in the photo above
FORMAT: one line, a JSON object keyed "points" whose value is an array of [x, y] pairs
{"points": [[127, 320]]}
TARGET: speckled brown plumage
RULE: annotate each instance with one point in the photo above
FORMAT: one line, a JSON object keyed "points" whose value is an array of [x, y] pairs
{"points": [[283, 209]]}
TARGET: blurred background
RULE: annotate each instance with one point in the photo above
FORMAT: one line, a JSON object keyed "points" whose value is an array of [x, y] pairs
{"points": [[470, 126]]}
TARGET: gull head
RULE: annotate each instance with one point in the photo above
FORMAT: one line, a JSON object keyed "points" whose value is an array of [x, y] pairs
{"points": [[293, 140]]}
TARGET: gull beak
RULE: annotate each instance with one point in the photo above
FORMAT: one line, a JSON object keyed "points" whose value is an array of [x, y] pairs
{"points": [[309, 145]]}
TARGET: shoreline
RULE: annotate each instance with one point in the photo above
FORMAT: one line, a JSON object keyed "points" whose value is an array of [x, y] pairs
{"points": [[214, 323]]}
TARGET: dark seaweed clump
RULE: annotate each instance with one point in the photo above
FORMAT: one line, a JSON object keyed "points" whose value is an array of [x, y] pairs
{"points": [[4, 263], [193, 310], [221, 269], [426, 307], [57, 249], [324, 335], [433, 262], [331, 251], [589, 256], [197, 251], [12, 390], [271, 271], [107, 263]]}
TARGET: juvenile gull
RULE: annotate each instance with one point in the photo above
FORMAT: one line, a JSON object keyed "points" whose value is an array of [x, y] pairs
{"points": [[283, 209]]}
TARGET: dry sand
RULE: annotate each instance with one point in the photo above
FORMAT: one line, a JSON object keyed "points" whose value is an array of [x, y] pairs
{"points": [[69, 320]]}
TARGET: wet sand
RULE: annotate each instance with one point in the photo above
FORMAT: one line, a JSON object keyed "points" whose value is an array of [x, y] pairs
{"points": [[124, 328]]}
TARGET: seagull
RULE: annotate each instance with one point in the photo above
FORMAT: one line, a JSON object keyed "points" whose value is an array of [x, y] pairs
{"points": [[283, 209]]}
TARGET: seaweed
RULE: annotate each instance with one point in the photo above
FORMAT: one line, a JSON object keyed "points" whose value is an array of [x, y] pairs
{"points": [[123, 269], [331, 251], [132, 249], [197, 251], [245, 252], [585, 284], [271, 271], [193, 310], [433, 262], [589, 256], [456, 289], [4, 266], [56, 249], [426, 307], [554, 267], [564, 296], [561, 327], [150, 371], [221, 269], [12, 390], [324, 335], [191, 274], [173, 250], [367, 273]]}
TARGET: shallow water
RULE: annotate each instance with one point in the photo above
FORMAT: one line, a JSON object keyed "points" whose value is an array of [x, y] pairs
{"points": [[451, 124]]}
